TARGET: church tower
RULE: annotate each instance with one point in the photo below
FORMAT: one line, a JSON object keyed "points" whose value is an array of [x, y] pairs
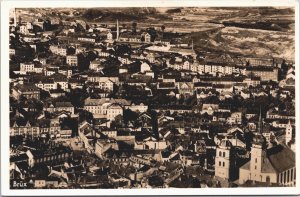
{"points": [[257, 155], [222, 160], [288, 132]]}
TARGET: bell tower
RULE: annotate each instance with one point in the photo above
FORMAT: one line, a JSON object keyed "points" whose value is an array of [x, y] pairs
{"points": [[257, 156], [288, 132], [222, 160]]}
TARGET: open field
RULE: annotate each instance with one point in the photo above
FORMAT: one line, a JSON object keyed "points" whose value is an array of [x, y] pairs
{"points": [[241, 31]]}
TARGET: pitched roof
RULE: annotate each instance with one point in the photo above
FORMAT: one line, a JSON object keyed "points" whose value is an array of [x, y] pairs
{"points": [[278, 159], [281, 157]]}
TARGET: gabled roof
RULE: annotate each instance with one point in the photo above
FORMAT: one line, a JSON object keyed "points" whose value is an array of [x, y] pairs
{"points": [[276, 160]]}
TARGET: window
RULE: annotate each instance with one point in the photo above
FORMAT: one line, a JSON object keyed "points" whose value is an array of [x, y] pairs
{"points": [[223, 164], [219, 163], [223, 154], [255, 167], [284, 177], [255, 160]]}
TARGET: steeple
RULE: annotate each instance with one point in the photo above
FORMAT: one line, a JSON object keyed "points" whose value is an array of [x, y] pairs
{"points": [[288, 132], [260, 123]]}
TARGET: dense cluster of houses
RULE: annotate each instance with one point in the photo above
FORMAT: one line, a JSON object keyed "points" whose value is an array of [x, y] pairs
{"points": [[104, 106]]}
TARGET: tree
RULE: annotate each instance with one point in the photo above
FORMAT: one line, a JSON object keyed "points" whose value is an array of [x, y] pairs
{"points": [[71, 51], [134, 25], [77, 97], [44, 94], [86, 116], [129, 116], [122, 49], [83, 62], [172, 60], [163, 29], [152, 32], [248, 139], [117, 122]]}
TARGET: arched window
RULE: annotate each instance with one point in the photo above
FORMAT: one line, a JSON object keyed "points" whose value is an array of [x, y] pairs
{"points": [[220, 153], [268, 179], [223, 154]]}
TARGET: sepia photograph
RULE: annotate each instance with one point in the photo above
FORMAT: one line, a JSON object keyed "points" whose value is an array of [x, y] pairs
{"points": [[149, 97]]}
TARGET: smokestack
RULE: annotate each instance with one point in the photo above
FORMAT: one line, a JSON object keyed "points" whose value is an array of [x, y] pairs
{"points": [[15, 17], [117, 29]]}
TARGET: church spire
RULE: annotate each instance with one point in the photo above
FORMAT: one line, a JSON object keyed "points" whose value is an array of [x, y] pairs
{"points": [[260, 123]]}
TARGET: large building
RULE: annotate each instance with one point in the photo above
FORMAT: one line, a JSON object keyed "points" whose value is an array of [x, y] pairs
{"points": [[26, 90], [274, 165], [223, 160], [265, 73]]}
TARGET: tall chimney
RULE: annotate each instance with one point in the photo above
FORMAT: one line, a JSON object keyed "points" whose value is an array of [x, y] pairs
{"points": [[15, 17], [117, 29]]}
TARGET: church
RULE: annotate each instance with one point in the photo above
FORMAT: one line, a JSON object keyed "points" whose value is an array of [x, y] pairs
{"points": [[271, 164]]}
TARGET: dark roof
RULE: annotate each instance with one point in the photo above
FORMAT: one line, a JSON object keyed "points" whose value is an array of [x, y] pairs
{"points": [[281, 157], [51, 151], [63, 104], [277, 159], [144, 168], [155, 181], [260, 68], [222, 86], [57, 91], [18, 158], [47, 80], [165, 154], [26, 87], [166, 85]]}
